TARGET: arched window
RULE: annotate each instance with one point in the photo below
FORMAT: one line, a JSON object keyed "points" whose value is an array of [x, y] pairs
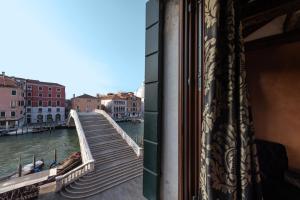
{"points": [[40, 118], [57, 117], [49, 118]]}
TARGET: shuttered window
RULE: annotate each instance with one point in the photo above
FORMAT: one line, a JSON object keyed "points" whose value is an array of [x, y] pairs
{"points": [[153, 100]]}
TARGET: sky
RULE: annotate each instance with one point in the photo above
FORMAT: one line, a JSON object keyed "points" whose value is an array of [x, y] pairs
{"points": [[90, 46]]}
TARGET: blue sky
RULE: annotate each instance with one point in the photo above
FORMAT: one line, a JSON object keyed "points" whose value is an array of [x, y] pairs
{"points": [[90, 46]]}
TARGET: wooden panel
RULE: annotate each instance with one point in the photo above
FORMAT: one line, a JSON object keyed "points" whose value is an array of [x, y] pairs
{"points": [[273, 77]]}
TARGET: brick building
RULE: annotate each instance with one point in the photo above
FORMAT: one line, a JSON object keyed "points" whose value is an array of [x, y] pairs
{"points": [[45, 102], [85, 103]]}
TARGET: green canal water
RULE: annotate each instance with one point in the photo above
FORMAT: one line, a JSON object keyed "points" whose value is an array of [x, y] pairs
{"points": [[134, 130], [42, 145]]}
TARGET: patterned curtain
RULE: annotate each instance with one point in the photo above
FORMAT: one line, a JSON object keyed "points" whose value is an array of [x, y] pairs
{"points": [[229, 164]]}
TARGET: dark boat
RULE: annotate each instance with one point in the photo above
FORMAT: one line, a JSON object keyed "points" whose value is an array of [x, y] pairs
{"points": [[69, 163]]}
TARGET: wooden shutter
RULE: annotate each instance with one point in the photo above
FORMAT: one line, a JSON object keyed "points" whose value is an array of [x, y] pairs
{"points": [[153, 100]]}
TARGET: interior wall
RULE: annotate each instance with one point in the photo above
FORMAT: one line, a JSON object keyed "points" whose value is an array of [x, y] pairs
{"points": [[169, 151], [274, 84]]}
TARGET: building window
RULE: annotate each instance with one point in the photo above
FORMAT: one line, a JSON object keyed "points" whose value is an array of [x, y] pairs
{"points": [[58, 89], [40, 95], [13, 104], [40, 103], [49, 95], [28, 119], [57, 109], [29, 110], [13, 114], [40, 109], [29, 87], [40, 88], [49, 118], [21, 112], [57, 103], [2, 114], [57, 118], [14, 92], [49, 103], [49, 109], [29, 103], [49, 88], [29, 94], [40, 118], [58, 95]]}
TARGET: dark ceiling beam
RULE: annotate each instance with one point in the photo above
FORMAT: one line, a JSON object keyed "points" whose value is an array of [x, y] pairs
{"points": [[257, 11], [274, 40], [249, 29]]}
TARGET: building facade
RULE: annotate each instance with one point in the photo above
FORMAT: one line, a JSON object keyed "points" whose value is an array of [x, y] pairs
{"points": [[11, 103], [85, 103], [134, 105], [45, 102], [141, 94], [122, 106]]}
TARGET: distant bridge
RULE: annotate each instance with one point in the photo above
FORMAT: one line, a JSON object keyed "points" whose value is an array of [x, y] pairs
{"points": [[109, 156]]}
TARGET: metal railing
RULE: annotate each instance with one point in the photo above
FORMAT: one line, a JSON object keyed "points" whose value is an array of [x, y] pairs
{"points": [[137, 149], [86, 155]]}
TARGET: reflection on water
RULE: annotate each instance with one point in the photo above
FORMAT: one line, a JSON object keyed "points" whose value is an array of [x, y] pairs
{"points": [[134, 130], [42, 145]]}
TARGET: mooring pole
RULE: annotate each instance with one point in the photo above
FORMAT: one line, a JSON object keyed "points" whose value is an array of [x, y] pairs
{"points": [[33, 161], [19, 168], [55, 155]]}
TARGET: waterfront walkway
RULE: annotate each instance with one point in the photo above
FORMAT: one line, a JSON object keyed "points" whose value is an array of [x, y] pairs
{"points": [[116, 163]]}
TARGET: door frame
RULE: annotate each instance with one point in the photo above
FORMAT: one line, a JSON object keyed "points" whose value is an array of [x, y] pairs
{"points": [[190, 97]]}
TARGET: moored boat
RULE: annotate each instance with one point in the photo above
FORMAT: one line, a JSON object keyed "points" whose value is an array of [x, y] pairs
{"points": [[69, 163]]}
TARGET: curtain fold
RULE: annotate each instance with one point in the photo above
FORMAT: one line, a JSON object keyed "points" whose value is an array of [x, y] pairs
{"points": [[229, 165]]}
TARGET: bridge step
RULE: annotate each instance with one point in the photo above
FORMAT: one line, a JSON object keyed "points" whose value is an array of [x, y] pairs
{"points": [[111, 167], [113, 154], [88, 187], [103, 139], [115, 160], [103, 174], [104, 187]]}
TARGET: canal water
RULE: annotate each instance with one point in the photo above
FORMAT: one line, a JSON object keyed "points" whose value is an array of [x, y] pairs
{"points": [[134, 130], [42, 145]]}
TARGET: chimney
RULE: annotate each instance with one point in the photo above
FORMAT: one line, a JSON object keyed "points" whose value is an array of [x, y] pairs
{"points": [[73, 95], [3, 73]]}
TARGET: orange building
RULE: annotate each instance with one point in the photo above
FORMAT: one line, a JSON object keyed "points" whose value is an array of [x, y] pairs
{"points": [[11, 103], [85, 103]]}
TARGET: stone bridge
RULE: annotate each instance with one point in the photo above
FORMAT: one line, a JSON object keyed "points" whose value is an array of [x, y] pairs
{"points": [[109, 157]]}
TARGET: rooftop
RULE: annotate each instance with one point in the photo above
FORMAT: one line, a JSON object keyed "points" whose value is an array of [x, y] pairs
{"points": [[7, 82], [43, 83], [120, 95], [86, 96]]}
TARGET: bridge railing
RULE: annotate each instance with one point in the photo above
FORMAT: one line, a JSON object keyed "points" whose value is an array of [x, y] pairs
{"points": [[86, 155], [137, 149]]}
